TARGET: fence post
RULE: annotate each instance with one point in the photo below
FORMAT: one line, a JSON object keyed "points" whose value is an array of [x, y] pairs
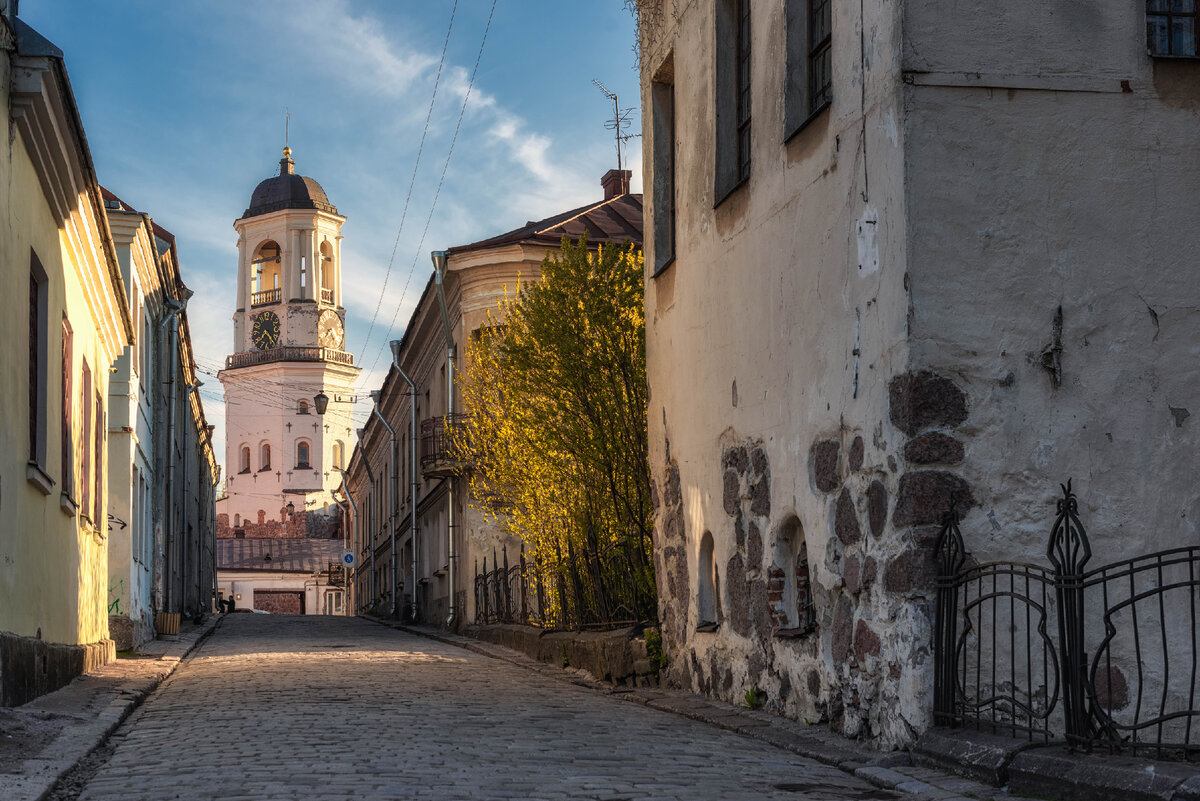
{"points": [[1069, 550], [508, 607], [524, 589], [951, 554], [487, 617]]}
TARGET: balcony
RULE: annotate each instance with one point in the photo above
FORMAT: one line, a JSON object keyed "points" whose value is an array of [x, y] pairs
{"points": [[327, 296], [264, 298], [289, 353], [437, 447]]}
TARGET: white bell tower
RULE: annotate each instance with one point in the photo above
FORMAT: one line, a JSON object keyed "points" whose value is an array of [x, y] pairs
{"points": [[289, 339]]}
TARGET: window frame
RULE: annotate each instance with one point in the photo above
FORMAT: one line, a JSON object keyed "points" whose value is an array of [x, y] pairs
{"points": [[662, 98], [39, 367], [1169, 15], [800, 105], [66, 440], [733, 91], [306, 463]]}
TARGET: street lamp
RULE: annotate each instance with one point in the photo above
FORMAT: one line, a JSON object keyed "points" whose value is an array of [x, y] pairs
{"points": [[291, 508], [321, 401]]}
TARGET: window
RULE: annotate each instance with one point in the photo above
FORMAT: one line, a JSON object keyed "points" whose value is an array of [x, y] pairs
{"points": [[244, 462], [38, 356], [809, 80], [85, 462], [264, 457], [1171, 28], [302, 407], [788, 588], [338, 450], [706, 595], [732, 50], [68, 466], [100, 516], [302, 455], [662, 98]]}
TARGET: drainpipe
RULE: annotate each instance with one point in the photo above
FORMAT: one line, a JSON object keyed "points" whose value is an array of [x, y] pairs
{"points": [[439, 271], [370, 478], [391, 493], [354, 506], [165, 458], [412, 469]]}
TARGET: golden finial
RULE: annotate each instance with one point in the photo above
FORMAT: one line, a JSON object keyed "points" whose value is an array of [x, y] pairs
{"points": [[287, 152]]}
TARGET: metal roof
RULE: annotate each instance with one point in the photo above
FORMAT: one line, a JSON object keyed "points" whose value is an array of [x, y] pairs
{"points": [[287, 554]]}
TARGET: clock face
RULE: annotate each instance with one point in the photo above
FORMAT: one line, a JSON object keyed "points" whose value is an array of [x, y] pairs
{"points": [[266, 330], [329, 330]]}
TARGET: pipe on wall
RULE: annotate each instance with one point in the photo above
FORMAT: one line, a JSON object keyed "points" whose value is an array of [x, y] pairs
{"points": [[439, 271]]}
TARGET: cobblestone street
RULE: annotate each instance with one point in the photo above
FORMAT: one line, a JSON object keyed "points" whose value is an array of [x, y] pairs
{"points": [[274, 707]]}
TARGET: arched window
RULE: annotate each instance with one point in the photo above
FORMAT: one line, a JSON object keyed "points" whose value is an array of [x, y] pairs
{"points": [[706, 597], [302, 407], [264, 457], [326, 272], [266, 274], [787, 579], [302, 461], [338, 450], [244, 461], [237, 521]]}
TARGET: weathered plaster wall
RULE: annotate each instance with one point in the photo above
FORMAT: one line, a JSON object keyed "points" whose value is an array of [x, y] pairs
{"points": [[1062, 176], [774, 338]]}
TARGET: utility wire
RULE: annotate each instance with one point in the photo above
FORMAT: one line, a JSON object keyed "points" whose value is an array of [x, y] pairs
{"points": [[445, 166], [413, 180]]}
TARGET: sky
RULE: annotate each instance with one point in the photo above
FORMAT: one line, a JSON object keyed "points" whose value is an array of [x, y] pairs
{"points": [[184, 106]]}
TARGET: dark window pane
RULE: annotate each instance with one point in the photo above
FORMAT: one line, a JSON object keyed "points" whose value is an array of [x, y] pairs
{"points": [[1157, 38], [1187, 6], [1158, 5], [1183, 36]]}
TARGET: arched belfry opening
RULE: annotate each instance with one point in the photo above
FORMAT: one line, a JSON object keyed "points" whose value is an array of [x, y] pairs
{"points": [[266, 275], [327, 272]]}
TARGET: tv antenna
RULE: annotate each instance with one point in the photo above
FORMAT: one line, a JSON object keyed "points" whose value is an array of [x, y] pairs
{"points": [[619, 122]]}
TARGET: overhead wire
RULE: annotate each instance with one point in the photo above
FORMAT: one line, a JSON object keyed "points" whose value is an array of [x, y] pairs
{"points": [[412, 180], [441, 181]]}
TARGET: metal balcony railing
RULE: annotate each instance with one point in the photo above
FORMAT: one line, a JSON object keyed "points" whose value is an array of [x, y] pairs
{"points": [[289, 353], [326, 295], [437, 454], [265, 297]]}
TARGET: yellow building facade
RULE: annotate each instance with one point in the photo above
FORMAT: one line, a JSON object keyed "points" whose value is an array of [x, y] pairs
{"points": [[68, 323]]}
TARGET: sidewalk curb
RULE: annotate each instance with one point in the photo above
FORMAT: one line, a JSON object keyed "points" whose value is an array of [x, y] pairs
{"points": [[895, 771], [40, 775]]}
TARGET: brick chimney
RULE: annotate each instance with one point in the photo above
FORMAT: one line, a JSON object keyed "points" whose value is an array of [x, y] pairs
{"points": [[615, 182]]}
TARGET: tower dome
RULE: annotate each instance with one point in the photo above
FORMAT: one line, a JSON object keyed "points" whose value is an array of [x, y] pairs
{"points": [[288, 191]]}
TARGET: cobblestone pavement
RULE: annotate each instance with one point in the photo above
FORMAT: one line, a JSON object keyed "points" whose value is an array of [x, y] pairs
{"points": [[277, 707]]}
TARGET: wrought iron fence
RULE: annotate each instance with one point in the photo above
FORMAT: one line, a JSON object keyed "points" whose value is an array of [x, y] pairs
{"points": [[1012, 644], [584, 590]]}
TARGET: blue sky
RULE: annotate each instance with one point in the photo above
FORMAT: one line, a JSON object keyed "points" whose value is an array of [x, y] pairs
{"points": [[183, 103]]}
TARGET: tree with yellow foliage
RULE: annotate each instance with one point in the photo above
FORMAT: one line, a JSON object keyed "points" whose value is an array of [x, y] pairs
{"points": [[555, 433]]}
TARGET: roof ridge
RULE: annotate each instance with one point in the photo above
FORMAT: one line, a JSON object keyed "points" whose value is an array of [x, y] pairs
{"points": [[585, 210]]}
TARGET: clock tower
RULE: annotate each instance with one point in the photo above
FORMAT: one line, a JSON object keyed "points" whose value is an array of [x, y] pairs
{"points": [[289, 339]]}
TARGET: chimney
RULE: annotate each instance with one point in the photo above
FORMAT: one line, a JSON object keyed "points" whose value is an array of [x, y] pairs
{"points": [[615, 182]]}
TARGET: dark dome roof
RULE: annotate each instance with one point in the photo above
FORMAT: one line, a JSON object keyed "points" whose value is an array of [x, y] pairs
{"points": [[288, 191]]}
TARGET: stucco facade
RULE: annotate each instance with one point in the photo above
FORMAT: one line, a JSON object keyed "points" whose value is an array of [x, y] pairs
{"points": [[73, 322], [867, 325]]}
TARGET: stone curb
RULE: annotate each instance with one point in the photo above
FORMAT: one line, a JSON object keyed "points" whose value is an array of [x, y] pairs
{"points": [[894, 771], [87, 732]]}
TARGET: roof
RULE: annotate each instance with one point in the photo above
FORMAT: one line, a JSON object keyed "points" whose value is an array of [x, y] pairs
{"points": [[618, 219], [288, 191], [294, 554]]}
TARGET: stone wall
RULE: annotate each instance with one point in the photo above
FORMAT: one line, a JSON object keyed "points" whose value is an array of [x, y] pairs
{"points": [[31, 667], [619, 656], [314, 525]]}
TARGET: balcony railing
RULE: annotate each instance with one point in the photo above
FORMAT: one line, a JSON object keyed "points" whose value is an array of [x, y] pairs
{"points": [[289, 353], [326, 295], [265, 297], [437, 451]]}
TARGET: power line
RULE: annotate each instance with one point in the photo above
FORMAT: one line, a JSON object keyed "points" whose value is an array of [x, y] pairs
{"points": [[413, 180], [436, 195]]}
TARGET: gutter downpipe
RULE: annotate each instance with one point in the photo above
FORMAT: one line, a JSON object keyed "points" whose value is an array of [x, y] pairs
{"points": [[391, 494], [370, 501], [412, 471], [439, 271], [174, 309], [350, 585]]}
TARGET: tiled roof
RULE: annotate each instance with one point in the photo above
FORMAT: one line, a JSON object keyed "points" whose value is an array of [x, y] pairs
{"points": [[618, 219], [296, 554]]}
